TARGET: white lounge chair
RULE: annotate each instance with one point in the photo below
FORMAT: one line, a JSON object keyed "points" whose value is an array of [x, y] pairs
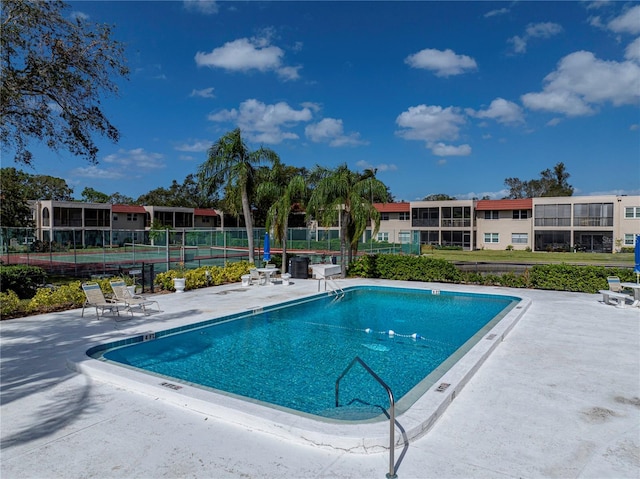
{"points": [[95, 299], [122, 294]]}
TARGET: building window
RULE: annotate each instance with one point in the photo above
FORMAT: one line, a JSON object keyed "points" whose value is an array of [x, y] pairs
{"points": [[132, 217], [593, 214], [519, 238], [520, 214], [630, 239], [553, 215], [382, 236], [115, 217], [46, 217], [384, 216], [425, 217], [491, 215], [492, 238], [404, 237], [97, 217], [404, 216], [632, 212], [457, 216]]}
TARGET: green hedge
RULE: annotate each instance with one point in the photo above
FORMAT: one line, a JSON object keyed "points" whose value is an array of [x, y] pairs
{"points": [[406, 268], [21, 279], [556, 277]]}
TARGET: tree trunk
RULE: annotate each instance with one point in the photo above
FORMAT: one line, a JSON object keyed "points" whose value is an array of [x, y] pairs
{"points": [[344, 228], [284, 245], [246, 210]]}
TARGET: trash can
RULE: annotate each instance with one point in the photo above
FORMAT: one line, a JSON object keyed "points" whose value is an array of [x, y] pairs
{"points": [[299, 267]]}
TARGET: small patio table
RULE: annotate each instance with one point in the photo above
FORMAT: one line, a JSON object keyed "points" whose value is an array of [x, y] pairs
{"points": [[636, 292], [267, 274]]}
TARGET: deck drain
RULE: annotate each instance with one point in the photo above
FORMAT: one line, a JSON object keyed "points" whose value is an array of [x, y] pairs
{"points": [[491, 336], [442, 387], [175, 387]]}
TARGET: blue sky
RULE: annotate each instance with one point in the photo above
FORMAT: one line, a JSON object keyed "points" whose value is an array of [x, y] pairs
{"points": [[440, 97]]}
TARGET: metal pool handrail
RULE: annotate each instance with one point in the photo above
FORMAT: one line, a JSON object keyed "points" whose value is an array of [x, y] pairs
{"points": [[392, 408]]}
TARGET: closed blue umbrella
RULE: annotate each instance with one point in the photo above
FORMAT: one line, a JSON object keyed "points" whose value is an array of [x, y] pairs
{"points": [[636, 269], [267, 248]]}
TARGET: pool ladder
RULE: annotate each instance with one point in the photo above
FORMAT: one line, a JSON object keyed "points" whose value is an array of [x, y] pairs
{"points": [[335, 288], [392, 409]]}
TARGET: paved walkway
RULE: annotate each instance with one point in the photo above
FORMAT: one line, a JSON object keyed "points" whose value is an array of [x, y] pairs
{"points": [[559, 398]]}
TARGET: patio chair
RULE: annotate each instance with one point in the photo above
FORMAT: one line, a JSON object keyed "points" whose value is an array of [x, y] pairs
{"points": [[122, 294], [254, 275], [95, 299], [614, 284]]}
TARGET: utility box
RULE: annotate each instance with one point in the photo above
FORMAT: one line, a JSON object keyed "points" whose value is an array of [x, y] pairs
{"points": [[299, 267]]}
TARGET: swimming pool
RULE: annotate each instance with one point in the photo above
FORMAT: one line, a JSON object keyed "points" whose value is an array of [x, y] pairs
{"points": [[287, 357], [291, 356]]}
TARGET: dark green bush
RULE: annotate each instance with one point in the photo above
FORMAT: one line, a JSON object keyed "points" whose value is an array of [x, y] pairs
{"points": [[406, 268], [565, 277], [556, 277], [22, 279]]}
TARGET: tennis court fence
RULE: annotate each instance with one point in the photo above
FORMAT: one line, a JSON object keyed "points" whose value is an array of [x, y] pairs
{"points": [[83, 252]]}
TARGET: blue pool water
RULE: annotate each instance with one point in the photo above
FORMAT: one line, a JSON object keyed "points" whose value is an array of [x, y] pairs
{"points": [[290, 356]]}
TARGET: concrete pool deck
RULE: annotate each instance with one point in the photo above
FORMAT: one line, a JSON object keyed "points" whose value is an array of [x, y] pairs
{"points": [[559, 397]]}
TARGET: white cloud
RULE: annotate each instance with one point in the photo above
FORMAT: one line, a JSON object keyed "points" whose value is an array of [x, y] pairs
{"points": [[543, 30], [207, 7], [493, 13], [194, 146], [432, 124], [137, 159], [330, 130], [632, 52], [365, 165], [76, 15], [581, 82], [97, 173], [440, 149], [247, 54], [204, 93], [264, 123], [534, 30], [519, 44], [443, 63], [628, 22], [501, 110], [598, 4]]}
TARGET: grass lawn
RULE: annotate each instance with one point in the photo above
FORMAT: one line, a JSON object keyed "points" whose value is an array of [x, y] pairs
{"points": [[537, 257]]}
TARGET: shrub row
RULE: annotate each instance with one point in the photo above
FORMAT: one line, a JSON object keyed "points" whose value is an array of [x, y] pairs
{"points": [[71, 296], [204, 276], [23, 280], [557, 277]]}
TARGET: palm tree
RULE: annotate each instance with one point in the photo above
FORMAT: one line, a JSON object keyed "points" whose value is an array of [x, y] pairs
{"points": [[231, 163], [347, 195], [286, 195]]}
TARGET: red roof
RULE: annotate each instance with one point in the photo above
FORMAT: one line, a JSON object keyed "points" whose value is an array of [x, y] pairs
{"points": [[204, 212], [522, 204], [401, 207], [128, 209]]}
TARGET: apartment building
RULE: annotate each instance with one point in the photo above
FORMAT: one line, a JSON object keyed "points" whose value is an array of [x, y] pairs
{"points": [[588, 223], [604, 223], [98, 224]]}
